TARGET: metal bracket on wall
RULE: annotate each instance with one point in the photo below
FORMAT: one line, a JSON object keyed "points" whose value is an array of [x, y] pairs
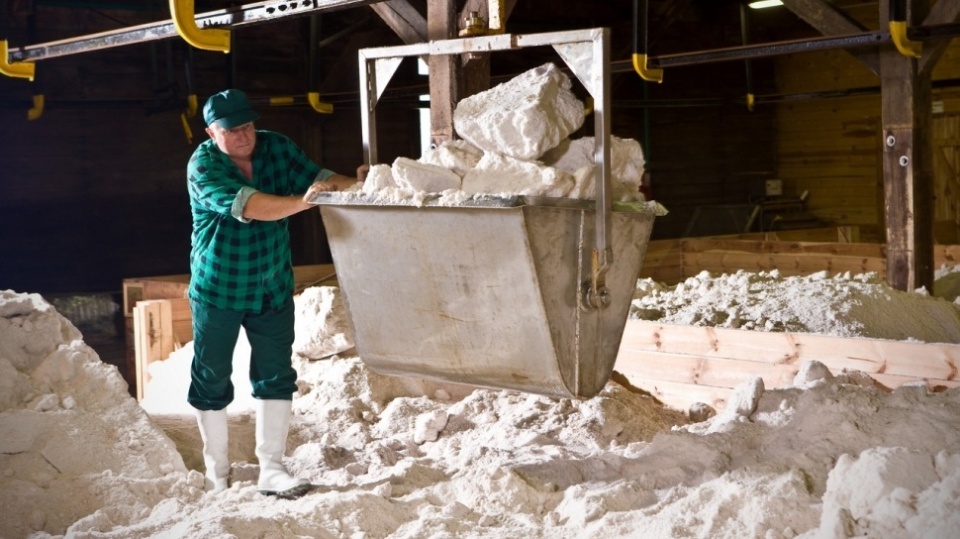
{"points": [[234, 17]]}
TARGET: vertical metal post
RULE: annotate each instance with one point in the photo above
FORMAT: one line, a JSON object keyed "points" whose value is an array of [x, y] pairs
{"points": [[368, 109]]}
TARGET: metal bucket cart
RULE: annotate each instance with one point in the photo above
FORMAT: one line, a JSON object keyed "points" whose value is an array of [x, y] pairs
{"points": [[530, 294]]}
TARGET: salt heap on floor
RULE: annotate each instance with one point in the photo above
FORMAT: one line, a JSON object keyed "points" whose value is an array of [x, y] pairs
{"points": [[515, 142], [842, 305], [833, 456], [73, 443]]}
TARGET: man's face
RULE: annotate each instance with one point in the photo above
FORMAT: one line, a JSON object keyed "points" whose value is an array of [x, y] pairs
{"points": [[237, 142]]}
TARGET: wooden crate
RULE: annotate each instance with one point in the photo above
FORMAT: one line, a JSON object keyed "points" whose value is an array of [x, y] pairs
{"points": [[158, 320]]}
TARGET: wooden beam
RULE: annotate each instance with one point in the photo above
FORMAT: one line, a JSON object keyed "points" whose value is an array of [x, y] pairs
{"points": [[403, 19], [906, 99], [831, 22], [476, 67], [943, 12], [445, 72]]}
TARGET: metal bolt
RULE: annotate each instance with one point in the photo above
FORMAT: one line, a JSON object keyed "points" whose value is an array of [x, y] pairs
{"points": [[904, 160], [891, 140]]}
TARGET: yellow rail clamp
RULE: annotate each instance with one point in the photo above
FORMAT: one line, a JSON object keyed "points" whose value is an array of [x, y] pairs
{"points": [[314, 99], [191, 106], [189, 112], [186, 127], [751, 99], [640, 66], [36, 110], [281, 101], [18, 70], [898, 31], [210, 39]]}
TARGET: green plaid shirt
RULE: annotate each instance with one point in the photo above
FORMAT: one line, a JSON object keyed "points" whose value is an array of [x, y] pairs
{"points": [[237, 263]]}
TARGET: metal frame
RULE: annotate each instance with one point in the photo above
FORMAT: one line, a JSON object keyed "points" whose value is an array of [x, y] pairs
{"points": [[586, 53]]}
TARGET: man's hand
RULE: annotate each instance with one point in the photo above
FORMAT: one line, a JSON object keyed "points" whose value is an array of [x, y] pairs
{"points": [[362, 172], [320, 187]]}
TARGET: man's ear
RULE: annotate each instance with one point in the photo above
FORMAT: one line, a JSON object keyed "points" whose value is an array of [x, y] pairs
{"points": [[209, 131]]}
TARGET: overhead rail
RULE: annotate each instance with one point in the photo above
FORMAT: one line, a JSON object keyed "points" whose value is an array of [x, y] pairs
{"points": [[780, 48], [234, 17]]}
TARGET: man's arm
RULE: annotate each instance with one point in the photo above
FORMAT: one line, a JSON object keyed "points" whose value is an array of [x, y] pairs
{"points": [[264, 207]]}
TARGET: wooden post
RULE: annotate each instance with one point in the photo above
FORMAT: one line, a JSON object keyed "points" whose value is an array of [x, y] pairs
{"points": [[444, 71], [907, 161]]}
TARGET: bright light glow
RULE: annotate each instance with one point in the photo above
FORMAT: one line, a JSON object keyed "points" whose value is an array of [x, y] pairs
{"points": [[760, 4], [425, 124]]}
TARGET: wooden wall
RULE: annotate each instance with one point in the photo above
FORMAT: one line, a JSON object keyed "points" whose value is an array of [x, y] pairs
{"points": [[829, 137], [94, 191]]}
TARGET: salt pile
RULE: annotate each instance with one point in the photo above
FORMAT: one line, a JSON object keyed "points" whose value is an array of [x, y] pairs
{"points": [[843, 305], [833, 456], [515, 142], [74, 447]]}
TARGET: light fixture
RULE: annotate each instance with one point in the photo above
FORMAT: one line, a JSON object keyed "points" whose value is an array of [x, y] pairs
{"points": [[760, 4]]}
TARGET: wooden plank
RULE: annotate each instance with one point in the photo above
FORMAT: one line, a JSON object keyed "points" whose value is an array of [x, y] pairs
{"points": [[787, 264], [677, 395], [313, 275], [681, 365], [946, 254], [904, 358], [706, 371], [153, 338], [403, 19], [700, 245]]}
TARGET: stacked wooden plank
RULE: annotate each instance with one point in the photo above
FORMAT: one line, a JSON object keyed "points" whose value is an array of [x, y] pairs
{"points": [[681, 365]]}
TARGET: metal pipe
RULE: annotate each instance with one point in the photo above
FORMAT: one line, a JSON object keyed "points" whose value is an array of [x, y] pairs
{"points": [[640, 58], [745, 38], [234, 17]]}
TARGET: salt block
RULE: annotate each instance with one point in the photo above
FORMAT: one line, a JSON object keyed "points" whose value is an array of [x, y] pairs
{"points": [[379, 177], [577, 158], [523, 117], [456, 155], [497, 174], [424, 177]]}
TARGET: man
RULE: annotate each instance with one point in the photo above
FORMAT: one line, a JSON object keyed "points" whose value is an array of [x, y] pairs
{"points": [[243, 184]]}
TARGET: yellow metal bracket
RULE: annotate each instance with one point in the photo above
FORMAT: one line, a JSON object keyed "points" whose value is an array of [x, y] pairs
{"points": [[640, 66], [314, 99], [898, 32], [36, 110], [751, 99], [210, 39], [190, 112], [19, 70]]}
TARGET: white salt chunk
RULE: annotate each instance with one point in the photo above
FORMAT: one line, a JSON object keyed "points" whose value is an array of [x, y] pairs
{"points": [[417, 176]]}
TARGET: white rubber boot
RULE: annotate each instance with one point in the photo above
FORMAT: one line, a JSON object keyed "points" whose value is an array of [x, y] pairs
{"points": [[213, 432], [273, 422]]}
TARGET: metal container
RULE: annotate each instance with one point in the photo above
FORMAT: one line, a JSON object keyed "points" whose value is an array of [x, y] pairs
{"points": [[491, 294]]}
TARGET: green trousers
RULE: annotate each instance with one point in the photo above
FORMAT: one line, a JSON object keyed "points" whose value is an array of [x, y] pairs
{"points": [[215, 333]]}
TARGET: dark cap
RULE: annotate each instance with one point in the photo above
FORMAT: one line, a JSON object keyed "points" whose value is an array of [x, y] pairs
{"points": [[229, 109]]}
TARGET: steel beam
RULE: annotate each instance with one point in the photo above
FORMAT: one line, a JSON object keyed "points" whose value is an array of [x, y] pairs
{"points": [[235, 17], [780, 48]]}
